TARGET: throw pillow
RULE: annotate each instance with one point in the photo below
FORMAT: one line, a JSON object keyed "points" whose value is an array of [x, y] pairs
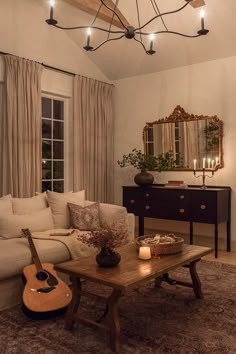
{"points": [[22, 206], [86, 218], [58, 203], [5, 206], [11, 225]]}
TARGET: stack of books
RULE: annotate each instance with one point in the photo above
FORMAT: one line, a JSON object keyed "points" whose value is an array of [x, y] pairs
{"points": [[176, 184]]}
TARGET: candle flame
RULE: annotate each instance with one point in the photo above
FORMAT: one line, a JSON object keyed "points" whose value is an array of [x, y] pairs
{"points": [[151, 37], [202, 13], [52, 3], [89, 31]]}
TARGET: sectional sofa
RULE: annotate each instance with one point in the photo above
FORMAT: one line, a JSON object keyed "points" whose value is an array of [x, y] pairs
{"points": [[43, 214]]}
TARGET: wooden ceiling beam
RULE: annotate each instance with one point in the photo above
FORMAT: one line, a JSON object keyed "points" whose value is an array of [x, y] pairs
{"points": [[92, 6]]}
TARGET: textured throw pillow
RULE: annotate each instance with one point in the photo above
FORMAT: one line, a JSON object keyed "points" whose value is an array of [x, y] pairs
{"points": [[58, 203], [11, 225], [22, 206], [86, 218]]}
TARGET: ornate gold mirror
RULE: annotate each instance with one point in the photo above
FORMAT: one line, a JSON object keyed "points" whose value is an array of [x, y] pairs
{"points": [[187, 137]]}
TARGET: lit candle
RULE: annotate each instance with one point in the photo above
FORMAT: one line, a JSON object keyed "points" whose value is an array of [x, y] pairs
{"points": [[217, 160], [52, 3], [209, 163], [202, 15], [144, 252], [88, 38], [194, 165], [213, 164], [204, 163], [151, 39]]}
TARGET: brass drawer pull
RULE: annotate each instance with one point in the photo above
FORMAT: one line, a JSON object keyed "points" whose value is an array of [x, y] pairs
{"points": [[132, 201], [181, 211], [182, 197], [147, 195], [203, 206], [147, 207]]}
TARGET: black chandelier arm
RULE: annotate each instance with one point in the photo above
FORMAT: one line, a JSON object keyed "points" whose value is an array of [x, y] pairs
{"points": [[162, 14], [171, 32], [137, 40], [115, 13], [107, 40], [87, 27]]}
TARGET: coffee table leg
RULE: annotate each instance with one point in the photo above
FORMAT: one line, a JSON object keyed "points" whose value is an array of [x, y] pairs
{"points": [[195, 280], [113, 319], [73, 307]]}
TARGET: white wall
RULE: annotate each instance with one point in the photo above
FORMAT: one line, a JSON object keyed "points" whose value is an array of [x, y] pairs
{"points": [[208, 88]]}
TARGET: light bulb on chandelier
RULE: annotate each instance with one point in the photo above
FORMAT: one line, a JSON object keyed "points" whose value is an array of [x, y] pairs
{"points": [[128, 31]]}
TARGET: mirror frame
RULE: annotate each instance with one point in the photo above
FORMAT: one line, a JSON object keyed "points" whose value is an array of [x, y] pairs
{"points": [[180, 115]]}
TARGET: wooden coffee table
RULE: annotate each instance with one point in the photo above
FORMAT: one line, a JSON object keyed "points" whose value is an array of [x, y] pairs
{"points": [[131, 272]]}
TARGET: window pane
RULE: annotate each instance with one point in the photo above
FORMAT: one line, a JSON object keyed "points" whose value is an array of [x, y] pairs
{"points": [[46, 170], [46, 185], [150, 134], [58, 169], [58, 130], [46, 128], [46, 149], [58, 109], [58, 186], [58, 150], [46, 107]]}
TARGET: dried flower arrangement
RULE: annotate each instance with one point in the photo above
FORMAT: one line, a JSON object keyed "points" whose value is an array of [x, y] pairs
{"points": [[108, 237]]}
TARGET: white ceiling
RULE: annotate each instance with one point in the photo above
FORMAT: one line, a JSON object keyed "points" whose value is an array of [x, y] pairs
{"points": [[125, 58]]}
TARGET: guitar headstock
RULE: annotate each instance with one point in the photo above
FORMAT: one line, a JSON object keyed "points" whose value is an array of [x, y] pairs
{"points": [[26, 232]]}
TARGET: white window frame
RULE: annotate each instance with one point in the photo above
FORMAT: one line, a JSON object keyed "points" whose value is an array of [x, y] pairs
{"points": [[65, 100]]}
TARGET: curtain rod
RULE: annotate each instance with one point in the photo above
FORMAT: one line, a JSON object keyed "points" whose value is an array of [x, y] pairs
{"points": [[55, 68]]}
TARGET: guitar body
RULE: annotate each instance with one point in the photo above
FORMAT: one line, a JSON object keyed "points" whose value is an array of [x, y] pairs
{"points": [[45, 295]]}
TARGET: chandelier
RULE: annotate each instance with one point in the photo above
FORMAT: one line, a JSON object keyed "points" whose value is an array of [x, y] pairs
{"points": [[127, 31]]}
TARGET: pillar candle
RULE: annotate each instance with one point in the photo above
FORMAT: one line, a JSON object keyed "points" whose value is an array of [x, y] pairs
{"points": [[204, 163], [209, 163], [144, 252], [195, 164]]}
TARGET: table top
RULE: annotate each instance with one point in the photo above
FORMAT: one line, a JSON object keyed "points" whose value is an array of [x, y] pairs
{"points": [[131, 270]]}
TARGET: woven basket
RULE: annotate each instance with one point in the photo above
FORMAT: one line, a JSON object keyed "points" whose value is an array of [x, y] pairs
{"points": [[161, 248]]}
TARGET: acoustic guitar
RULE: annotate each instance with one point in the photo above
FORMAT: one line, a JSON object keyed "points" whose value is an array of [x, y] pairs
{"points": [[45, 295]]}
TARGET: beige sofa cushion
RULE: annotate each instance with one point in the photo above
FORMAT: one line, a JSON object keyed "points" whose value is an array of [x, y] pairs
{"points": [[29, 205], [15, 254], [60, 211], [11, 225]]}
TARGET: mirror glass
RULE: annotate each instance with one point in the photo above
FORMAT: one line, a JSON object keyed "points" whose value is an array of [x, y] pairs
{"points": [[187, 137]]}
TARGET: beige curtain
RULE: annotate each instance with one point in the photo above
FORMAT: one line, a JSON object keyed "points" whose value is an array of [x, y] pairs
{"points": [[20, 145], [164, 138], [93, 139]]}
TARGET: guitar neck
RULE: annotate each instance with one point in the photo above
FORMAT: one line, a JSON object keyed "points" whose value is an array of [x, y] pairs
{"points": [[34, 253]]}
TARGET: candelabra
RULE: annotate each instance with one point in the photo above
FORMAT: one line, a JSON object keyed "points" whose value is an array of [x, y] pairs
{"points": [[204, 175]]}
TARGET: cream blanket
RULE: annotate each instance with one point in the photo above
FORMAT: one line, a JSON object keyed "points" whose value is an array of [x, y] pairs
{"points": [[76, 248]]}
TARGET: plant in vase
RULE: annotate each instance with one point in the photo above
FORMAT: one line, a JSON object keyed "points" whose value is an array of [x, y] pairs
{"points": [[147, 162], [106, 240]]}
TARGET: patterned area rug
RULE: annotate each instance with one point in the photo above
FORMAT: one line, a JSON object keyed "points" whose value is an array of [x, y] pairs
{"points": [[165, 320]]}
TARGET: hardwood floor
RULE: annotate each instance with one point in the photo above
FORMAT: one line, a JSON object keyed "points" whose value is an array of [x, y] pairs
{"points": [[223, 257]]}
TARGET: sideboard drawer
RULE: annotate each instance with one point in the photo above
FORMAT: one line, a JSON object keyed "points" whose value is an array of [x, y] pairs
{"points": [[204, 207]]}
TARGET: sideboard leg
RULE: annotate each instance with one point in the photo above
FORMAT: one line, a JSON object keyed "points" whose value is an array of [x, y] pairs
{"points": [[228, 236], [141, 225], [191, 232], [216, 240]]}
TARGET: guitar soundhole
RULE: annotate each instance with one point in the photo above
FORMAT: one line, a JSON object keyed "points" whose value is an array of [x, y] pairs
{"points": [[41, 275]]}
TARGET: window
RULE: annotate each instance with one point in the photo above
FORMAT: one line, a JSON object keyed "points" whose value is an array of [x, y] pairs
{"points": [[53, 111]]}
